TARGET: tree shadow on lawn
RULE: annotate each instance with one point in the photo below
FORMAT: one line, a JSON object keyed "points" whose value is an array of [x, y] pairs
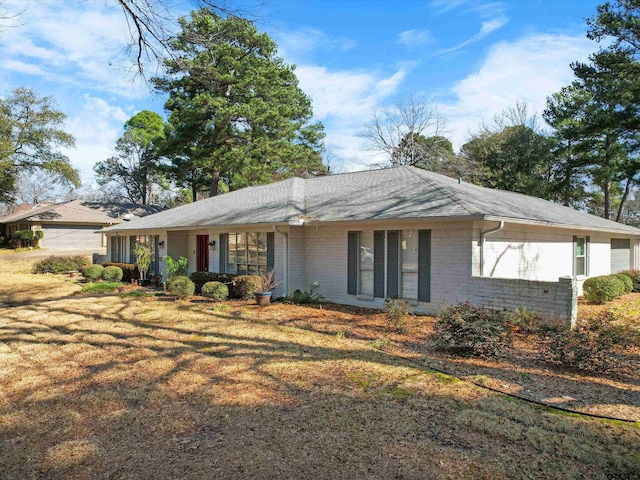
{"points": [[229, 400]]}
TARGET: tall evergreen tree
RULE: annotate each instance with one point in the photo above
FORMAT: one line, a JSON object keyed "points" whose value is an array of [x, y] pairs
{"points": [[236, 111]]}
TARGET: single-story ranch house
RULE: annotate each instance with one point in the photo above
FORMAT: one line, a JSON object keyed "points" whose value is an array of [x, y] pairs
{"points": [[72, 224], [403, 232]]}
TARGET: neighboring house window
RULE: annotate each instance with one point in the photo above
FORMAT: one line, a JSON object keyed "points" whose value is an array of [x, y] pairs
{"points": [[391, 264], [118, 245], [248, 253], [580, 256], [150, 242]]}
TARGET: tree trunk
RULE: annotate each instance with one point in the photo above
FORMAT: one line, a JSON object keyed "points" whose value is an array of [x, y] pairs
{"points": [[607, 200], [215, 177], [627, 189]]}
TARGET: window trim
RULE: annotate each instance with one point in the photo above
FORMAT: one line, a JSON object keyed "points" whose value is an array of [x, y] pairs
{"points": [[585, 255], [226, 256]]}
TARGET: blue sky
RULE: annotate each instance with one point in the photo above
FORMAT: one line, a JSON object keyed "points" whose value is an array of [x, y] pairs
{"points": [[469, 58]]}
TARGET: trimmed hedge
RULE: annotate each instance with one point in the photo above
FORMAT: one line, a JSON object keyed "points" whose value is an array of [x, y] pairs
{"points": [[466, 330], [112, 274], [200, 278], [244, 286], [60, 265], [181, 287], [634, 275], [92, 272], [603, 288], [129, 270], [216, 291], [626, 279]]}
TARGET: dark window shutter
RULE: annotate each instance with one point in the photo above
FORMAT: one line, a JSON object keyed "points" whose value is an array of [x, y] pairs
{"points": [[224, 252], [393, 263], [132, 248], [352, 263], [378, 264], [424, 265], [587, 253], [270, 250]]}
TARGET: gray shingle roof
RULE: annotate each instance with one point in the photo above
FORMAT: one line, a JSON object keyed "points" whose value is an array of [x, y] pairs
{"points": [[400, 192], [78, 211]]}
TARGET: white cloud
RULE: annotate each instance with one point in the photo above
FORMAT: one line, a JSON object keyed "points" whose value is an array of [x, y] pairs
{"points": [[299, 43], [414, 38], [529, 69], [487, 27]]}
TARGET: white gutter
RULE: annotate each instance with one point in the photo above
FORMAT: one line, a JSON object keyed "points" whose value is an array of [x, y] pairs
{"points": [[483, 235], [285, 282]]}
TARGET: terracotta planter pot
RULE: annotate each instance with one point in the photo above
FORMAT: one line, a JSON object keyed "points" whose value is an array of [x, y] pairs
{"points": [[263, 298]]}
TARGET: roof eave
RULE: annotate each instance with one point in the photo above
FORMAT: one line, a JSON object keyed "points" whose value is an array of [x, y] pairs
{"points": [[525, 221]]}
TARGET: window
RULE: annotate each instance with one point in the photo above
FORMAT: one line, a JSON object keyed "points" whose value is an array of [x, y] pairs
{"points": [[249, 253], [580, 256], [118, 245], [409, 269]]}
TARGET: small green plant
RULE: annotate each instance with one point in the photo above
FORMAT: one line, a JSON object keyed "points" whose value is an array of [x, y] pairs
{"points": [[200, 278], [102, 287], [92, 273], [181, 287], [526, 320], [463, 329], [143, 259], [340, 334], [603, 288], [590, 346], [61, 265], [525, 376], [634, 275], [112, 274], [176, 268], [383, 343], [396, 312], [244, 286], [216, 291], [300, 297]]}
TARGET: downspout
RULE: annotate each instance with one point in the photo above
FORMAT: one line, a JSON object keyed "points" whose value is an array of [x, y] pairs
{"points": [[483, 235], [285, 282]]}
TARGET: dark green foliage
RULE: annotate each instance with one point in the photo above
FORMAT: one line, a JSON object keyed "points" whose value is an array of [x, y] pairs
{"points": [[244, 286], [590, 346], [466, 330], [112, 274], [236, 114], [92, 273], [178, 267], [627, 280], [181, 287], [26, 238], [60, 265], [300, 298], [634, 275], [200, 278], [603, 288], [129, 270], [216, 291]]}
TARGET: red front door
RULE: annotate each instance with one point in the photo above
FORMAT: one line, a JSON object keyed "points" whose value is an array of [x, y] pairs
{"points": [[202, 253]]}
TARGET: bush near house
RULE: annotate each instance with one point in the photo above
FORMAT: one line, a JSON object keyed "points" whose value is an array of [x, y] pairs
{"points": [[463, 329], [200, 278], [216, 291], [626, 279], [92, 273], [181, 287], [634, 275], [129, 270], [244, 286], [61, 265], [603, 288], [112, 274]]}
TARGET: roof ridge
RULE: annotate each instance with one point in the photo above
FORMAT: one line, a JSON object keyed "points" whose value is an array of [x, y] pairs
{"points": [[466, 205]]}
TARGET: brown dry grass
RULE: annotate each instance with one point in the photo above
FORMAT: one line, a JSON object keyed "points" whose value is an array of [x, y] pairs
{"points": [[123, 387]]}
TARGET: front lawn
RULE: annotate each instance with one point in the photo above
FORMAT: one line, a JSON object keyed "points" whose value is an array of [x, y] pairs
{"points": [[144, 387]]}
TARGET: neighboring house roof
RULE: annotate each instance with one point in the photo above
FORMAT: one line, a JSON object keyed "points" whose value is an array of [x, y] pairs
{"points": [[395, 193], [78, 211]]}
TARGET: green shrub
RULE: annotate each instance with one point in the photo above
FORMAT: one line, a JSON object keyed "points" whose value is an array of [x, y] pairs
{"points": [[244, 286], [129, 270], [181, 287], [526, 320], [590, 346], [60, 265], [602, 289], [92, 272], [176, 268], [463, 329], [216, 291], [112, 274], [634, 275], [626, 279], [200, 278], [396, 311], [300, 298]]}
